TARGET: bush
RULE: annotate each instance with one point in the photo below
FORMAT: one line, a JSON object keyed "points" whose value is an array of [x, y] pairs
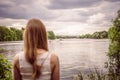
{"points": [[5, 68], [114, 48], [51, 35]]}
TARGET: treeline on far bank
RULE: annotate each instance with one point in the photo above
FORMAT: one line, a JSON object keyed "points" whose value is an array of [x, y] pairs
{"points": [[10, 34], [14, 34], [95, 35]]}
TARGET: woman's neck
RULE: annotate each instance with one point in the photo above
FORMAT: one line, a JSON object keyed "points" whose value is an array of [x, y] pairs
{"points": [[41, 51]]}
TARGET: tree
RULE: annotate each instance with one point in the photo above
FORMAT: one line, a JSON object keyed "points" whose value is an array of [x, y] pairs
{"points": [[2, 33], [17, 33], [96, 35], [5, 34], [51, 35], [103, 34], [114, 47], [13, 33], [10, 34]]}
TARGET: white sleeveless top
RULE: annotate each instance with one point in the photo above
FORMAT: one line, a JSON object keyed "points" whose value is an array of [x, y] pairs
{"points": [[26, 68]]}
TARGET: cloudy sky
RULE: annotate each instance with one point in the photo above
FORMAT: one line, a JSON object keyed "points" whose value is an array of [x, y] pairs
{"points": [[69, 17]]}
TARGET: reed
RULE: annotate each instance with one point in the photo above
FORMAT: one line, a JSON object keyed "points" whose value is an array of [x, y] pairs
{"points": [[96, 75]]}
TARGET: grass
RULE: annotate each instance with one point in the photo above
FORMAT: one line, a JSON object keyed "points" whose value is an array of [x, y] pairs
{"points": [[96, 75]]}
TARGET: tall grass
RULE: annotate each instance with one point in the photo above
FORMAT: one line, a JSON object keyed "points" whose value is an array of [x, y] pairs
{"points": [[96, 75]]}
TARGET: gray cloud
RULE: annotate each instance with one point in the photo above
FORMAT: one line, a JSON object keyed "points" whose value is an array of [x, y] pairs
{"points": [[71, 4], [59, 12], [13, 12], [68, 4], [25, 9], [17, 9], [112, 0]]}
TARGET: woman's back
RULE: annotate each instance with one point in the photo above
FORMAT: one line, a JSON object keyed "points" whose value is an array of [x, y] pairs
{"points": [[26, 68], [35, 63]]}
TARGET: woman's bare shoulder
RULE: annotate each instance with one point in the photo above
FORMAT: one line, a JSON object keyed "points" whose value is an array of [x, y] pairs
{"points": [[54, 58], [16, 59]]}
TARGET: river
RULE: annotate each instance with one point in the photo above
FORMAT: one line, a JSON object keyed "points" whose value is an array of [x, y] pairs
{"points": [[75, 54]]}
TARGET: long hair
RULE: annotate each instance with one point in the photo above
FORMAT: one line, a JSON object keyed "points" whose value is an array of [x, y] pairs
{"points": [[34, 37]]}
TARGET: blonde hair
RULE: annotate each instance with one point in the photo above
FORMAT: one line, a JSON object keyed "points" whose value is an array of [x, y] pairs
{"points": [[34, 37]]}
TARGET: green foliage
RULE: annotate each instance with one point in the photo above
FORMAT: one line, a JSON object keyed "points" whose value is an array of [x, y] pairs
{"points": [[17, 33], [114, 48], [85, 36], [4, 34], [5, 68], [96, 35], [11, 34], [51, 35], [114, 34]]}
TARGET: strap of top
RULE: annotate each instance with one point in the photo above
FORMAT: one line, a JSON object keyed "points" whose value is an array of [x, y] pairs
{"points": [[44, 60], [44, 57], [41, 59]]}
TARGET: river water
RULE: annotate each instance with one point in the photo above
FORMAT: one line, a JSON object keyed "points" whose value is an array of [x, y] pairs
{"points": [[76, 55]]}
